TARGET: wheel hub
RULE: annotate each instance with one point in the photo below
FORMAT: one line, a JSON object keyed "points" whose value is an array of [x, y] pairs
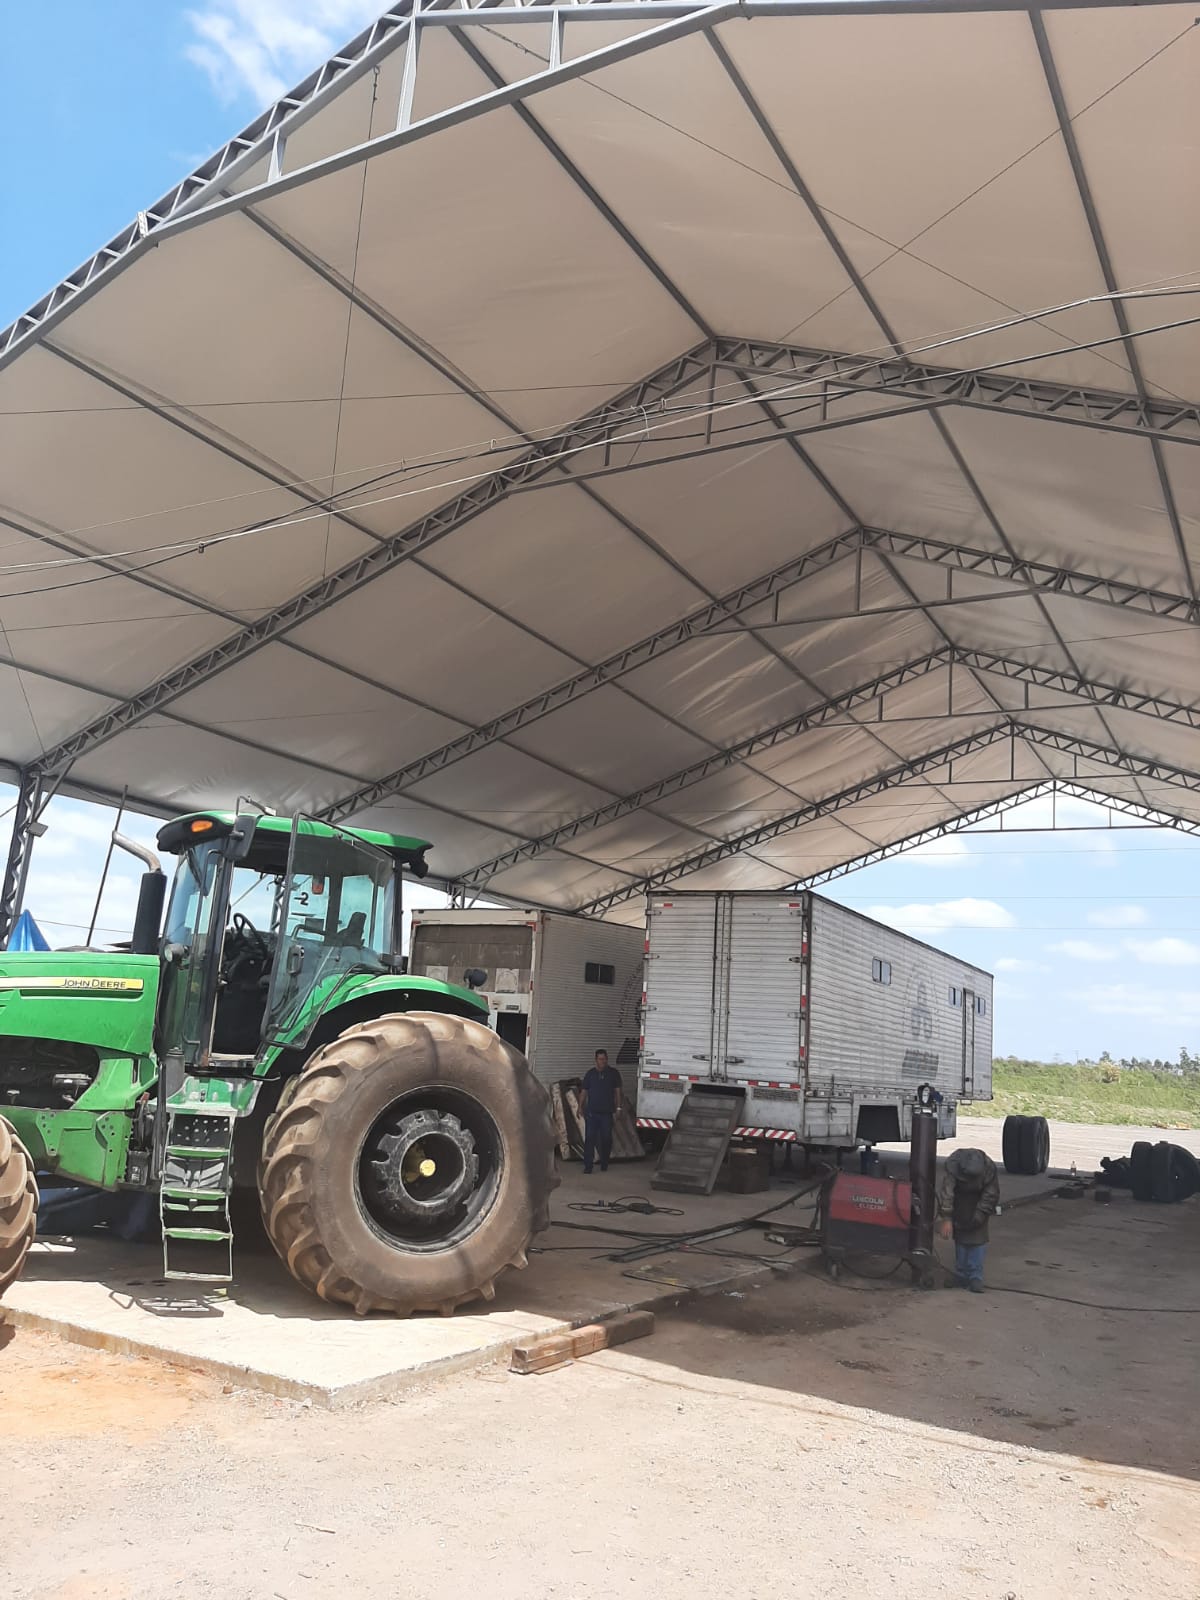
{"points": [[422, 1166]]}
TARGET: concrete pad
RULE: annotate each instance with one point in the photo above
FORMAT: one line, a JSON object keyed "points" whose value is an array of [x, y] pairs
{"points": [[266, 1332]]}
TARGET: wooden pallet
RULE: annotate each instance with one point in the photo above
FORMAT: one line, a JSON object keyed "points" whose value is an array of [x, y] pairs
{"points": [[568, 1125]]}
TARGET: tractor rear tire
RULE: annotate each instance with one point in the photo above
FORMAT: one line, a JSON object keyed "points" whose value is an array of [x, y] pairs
{"points": [[408, 1165], [18, 1205]]}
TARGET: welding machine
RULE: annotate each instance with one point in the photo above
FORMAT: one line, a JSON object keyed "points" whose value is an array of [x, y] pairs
{"points": [[887, 1217], [865, 1216]]}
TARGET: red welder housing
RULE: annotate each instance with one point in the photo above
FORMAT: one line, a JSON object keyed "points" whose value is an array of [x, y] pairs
{"points": [[869, 1215]]}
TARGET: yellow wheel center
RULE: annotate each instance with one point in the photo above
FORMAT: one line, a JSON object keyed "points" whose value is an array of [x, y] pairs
{"points": [[427, 1168]]}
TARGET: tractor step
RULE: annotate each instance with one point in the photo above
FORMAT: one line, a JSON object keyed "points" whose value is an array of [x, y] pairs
{"points": [[193, 1196]]}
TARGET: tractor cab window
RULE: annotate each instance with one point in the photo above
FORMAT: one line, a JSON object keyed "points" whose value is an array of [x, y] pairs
{"points": [[335, 918]]}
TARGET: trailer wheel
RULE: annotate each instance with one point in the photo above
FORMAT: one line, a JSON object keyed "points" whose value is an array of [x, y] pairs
{"points": [[410, 1165], [1139, 1170], [1011, 1143], [18, 1204]]}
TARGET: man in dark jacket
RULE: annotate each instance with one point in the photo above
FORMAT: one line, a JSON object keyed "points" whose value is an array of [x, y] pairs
{"points": [[968, 1195], [600, 1102]]}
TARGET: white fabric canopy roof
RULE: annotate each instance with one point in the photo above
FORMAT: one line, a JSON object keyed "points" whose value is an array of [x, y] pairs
{"points": [[700, 444]]}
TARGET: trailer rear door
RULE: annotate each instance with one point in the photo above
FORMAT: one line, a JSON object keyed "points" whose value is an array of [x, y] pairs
{"points": [[680, 972], [763, 1003]]}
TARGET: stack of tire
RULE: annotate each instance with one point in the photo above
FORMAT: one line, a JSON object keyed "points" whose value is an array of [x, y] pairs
{"points": [[1026, 1145], [1163, 1172]]}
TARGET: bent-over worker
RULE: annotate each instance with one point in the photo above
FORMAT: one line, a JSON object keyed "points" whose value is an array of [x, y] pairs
{"points": [[600, 1102], [968, 1195]]}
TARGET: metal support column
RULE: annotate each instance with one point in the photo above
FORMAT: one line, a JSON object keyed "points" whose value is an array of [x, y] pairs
{"points": [[16, 870]]}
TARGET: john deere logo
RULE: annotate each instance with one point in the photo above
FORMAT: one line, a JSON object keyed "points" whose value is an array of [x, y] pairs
{"points": [[74, 984]]}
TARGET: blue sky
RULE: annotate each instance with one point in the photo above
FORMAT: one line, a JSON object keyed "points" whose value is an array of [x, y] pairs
{"points": [[1094, 937]]}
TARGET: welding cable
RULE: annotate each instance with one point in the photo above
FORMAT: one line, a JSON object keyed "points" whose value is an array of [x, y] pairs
{"points": [[627, 1203], [739, 1224], [1094, 1305]]}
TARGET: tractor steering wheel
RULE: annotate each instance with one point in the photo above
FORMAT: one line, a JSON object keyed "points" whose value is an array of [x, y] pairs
{"points": [[251, 937]]}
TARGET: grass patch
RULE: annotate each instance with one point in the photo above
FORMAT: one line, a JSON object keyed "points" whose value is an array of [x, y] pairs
{"points": [[1081, 1094]]}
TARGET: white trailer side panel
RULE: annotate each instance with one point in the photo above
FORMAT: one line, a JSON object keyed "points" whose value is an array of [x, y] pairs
{"points": [[576, 1009], [888, 1013], [680, 1018]]}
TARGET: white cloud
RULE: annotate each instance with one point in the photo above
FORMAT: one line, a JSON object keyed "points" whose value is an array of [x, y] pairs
{"points": [[941, 914], [1166, 952], [1084, 950], [1019, 964], [950, 851], [1117, 917], [262, 47], [1182, 1006]]}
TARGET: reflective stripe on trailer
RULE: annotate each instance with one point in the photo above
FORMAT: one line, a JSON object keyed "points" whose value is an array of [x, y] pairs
{"points": [[738, 1133]]}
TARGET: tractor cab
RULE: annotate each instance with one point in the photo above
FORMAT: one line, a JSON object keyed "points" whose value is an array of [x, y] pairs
{"points": [[267, 919]]}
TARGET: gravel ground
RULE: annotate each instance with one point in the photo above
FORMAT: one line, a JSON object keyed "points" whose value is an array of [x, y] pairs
{"points": [[859, 1437]]}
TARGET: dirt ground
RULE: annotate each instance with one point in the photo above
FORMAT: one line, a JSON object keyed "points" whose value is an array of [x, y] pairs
{"points": [[848, 1438]]}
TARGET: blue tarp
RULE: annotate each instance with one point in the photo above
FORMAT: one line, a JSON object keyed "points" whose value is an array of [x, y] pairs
{"points": [[26, 934]]}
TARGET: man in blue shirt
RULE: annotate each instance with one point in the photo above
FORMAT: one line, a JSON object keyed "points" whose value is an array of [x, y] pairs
{"points": [[599, 1102]]}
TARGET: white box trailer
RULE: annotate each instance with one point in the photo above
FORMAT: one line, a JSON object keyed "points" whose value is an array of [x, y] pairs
{"points": [[827, 1020], [558, 987]]}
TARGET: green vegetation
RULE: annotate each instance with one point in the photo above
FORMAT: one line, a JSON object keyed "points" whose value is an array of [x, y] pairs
{"points": [[1149, 1094]]}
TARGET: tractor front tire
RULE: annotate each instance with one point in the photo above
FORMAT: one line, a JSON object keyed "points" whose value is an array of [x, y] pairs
{"points": [[18, 1205], [408, 1165]]}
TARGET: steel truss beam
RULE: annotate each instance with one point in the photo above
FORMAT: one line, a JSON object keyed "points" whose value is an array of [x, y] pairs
{"points": [[995, 808], [16, 868], [1081, 749], [830, 377], [1100, 693], [532, 468], [764, 832], [383, 557], [1065, 744], [203, 194], [662, 788], [1039, 577]]}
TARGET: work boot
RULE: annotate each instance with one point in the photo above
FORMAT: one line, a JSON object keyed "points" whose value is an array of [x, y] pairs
{"points": [[976, 1287]]}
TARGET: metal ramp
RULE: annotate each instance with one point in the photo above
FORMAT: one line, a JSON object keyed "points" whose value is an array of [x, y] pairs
{"points": [[698, 1140]]}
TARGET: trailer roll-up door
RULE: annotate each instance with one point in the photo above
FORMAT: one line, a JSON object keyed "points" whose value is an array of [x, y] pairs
{"points": [[681, 971], [763, 1012]]}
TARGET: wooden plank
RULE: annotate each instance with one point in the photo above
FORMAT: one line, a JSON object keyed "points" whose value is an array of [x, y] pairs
{"points": [[553, 1350]]}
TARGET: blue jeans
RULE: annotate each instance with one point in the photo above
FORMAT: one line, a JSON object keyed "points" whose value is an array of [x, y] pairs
{"points": [[597, 1139], [968, 1262]]}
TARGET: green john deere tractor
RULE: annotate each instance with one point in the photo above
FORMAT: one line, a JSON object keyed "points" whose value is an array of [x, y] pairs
{"points": [[403, 1154]]}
